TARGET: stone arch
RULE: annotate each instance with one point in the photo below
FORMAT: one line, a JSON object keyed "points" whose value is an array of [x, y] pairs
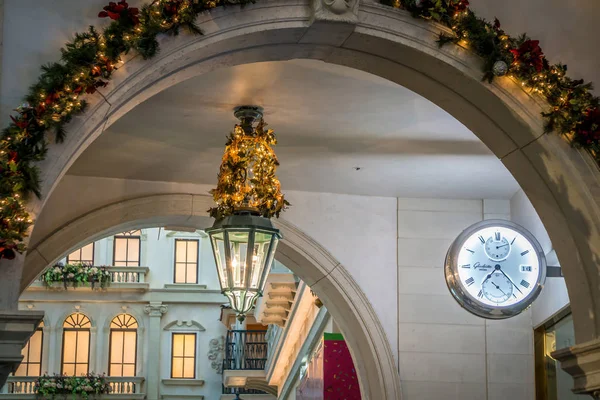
{"points": [[338, 290], [561, 182]]}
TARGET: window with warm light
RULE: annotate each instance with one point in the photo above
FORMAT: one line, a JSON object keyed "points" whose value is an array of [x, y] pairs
{"points": [[183, 356], [127, 248], [186, 261], [32, 354], [84, 255], [76, 345], [123, 346]]}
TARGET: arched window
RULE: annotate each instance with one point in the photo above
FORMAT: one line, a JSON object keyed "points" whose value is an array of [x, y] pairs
{"points": [[123, 346], [76, 345], [32, 354]]}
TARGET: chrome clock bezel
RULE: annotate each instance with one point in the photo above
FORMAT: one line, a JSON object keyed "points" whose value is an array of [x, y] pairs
{"points": [[464, 298]]}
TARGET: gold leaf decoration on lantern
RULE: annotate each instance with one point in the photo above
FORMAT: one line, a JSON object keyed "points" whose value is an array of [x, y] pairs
{"points": [[247, 177]]}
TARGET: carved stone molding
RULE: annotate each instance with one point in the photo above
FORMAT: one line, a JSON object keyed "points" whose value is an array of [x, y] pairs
{"points": [[156, 309], [216, 353], [335, 10], [582, 362]]}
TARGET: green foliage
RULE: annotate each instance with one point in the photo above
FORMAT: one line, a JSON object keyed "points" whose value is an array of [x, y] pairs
{"points": [[77, 275], [91, 57], [78, 387]]}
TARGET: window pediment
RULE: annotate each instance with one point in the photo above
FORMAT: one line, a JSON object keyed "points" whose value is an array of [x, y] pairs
{"points": [[184, 325]]}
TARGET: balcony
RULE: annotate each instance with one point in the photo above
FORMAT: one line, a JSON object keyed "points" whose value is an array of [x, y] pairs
{"points": [[246, 355], [122, 279], [122, 388]]}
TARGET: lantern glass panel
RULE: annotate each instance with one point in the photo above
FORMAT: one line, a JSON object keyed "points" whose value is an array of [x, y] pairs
{"points": [[262, 241], [218, 245], [238, 251]]}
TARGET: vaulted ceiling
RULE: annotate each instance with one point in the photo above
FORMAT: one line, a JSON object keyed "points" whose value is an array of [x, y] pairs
{"points": [[340, 130]]}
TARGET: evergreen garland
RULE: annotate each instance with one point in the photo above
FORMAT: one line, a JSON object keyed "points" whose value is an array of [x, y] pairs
{"points": [[89, 60]]}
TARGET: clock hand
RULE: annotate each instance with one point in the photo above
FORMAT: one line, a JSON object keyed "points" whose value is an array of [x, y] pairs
{"points": [[498, 287], [507, 277], [497, 247]]}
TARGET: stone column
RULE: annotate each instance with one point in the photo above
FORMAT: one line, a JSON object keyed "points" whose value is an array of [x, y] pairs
{"points": [[155, 310], [16, 327], [582, 362]]}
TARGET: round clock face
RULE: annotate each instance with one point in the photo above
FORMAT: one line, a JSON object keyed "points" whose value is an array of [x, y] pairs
{"points": [[495, 269]]}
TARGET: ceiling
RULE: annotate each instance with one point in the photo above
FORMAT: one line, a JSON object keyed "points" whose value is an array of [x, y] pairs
{"points": [[340, 130]]}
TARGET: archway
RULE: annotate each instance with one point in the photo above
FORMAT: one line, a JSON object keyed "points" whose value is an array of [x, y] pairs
{"points": [[391, 44], [326, 276]]}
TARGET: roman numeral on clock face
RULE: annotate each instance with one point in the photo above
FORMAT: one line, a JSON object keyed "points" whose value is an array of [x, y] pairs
{"points": [[470, 281], [480, 294], [524, 283], [466, 266], [525, 252], [497, 236], [481, 239]]}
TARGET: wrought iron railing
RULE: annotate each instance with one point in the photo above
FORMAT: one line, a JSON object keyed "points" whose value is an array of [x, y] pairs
{"points": [[238, 390], [245, 350]]}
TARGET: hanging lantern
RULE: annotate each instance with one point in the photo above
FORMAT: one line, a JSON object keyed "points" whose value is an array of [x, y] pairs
{"points": [[247, 195]]}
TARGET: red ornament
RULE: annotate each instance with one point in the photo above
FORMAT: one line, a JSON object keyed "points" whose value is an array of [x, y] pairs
{"points": [[21, 123], [460, 5], [530, 54], [7, 250], [588, 131], [116, 11]]}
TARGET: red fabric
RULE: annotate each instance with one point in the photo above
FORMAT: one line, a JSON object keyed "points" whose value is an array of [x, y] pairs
{"points": [[340, 380]]}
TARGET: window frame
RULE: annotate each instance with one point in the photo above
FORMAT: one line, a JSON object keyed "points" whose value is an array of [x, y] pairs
{"points": [[126, 236], [175, 262], [110, 343], [26, 361], [195, 358], [80, 250], [62, 353]]}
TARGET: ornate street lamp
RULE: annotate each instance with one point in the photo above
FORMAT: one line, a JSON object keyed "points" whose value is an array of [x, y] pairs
{"points": [[248, 194]]}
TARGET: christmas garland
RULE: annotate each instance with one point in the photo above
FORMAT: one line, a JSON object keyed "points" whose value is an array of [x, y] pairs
{"points": [[90, 59]]}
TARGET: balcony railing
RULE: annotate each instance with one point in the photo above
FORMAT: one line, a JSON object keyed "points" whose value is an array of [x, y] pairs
{"points": [[135, 278], [238, 390], [245, 350], [23, 387]]}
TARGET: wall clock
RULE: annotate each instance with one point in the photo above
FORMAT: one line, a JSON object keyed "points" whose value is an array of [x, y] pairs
{"points": [[495, 269]]}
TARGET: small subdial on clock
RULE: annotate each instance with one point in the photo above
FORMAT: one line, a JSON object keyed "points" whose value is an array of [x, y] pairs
{"points": [[497, 250], [497, 287]]}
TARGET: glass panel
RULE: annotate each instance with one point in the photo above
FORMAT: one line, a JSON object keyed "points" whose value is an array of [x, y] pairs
{"points": [[188, 367], [34, 369], [180, 250], [74, 256], [218, 246], [120, 250], [81, 369], [180, 273], [177, 367], [128, 370], [22, 370], [116, 347], [133, 251], [83, 345], [192, 251], [87, 253], [190, 345], [192, 272], [238, 245], [35, 347], [130, 346], [115, 370], [178, 340], [68, 369], [69, 342]]}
